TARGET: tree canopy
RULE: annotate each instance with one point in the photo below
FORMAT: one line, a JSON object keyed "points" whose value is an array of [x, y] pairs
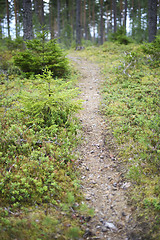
{"points": [[97, 19]]}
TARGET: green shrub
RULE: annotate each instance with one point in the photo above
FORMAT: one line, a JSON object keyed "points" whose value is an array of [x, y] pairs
{"points": [[10, 44], [153, 49], [5, 59], [37, 129], [120, 36], [40, 54]]}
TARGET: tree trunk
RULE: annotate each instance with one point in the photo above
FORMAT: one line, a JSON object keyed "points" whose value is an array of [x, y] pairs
{"points": [[0, 29], [27, 20], [108, 21], [139, 15], [93, 19], [58, 20], [101, 23], [152, 19], [15, 14], [133, 14], [89, 20], [51, 18], [111, 15], [67, 10], [125, 13], [121, 12], [115, 15], [85, 21], [8, 21], [41, 11], [78, 24]]}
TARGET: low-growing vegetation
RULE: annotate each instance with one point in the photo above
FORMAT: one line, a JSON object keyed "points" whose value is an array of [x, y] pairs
{"points": [[39, 187], [131, 103]]}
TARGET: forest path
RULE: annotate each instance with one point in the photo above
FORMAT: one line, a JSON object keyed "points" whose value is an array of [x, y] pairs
{"points": [[102, 182]]}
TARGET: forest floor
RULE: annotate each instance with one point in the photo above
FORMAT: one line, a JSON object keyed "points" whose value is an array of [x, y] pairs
{"points": [[103, 182]]}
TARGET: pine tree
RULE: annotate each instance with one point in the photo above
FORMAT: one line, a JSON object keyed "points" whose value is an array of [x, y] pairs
{"points": [[152, 19], [41, 54], [78, 23], [27, 20]]}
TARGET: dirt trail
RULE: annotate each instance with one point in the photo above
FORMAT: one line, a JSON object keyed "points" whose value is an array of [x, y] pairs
{"points": [[102, 181]]}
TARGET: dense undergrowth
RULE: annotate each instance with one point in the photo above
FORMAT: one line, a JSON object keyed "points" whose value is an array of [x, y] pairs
{"points": [[131, 102], [40, 195]]}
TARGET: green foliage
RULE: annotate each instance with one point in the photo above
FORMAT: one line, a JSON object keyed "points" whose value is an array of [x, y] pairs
{"points": [[29, 128], [51, 102], [7, 69], [40, 54], [74, 233], [153, 49], [67, 36], [131, 104], [5, 58], [10, 44], [38, 136], [120, 36]]}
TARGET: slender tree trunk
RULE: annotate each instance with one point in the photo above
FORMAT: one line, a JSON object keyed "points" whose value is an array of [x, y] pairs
{"points": [[121, 12], [93, 19], [58, 20], [8, 21], [85, 21], [139, 15], [51, 8], [101, 23], [133, 18], [27, 20], [78, 24], [41, 11], [89, 19], [73, 20], [115, 15], [125, 13], [0, 28], [152, 19], [108, 22], [67, 10], [82, 20], [15, 14], [111, 14]]}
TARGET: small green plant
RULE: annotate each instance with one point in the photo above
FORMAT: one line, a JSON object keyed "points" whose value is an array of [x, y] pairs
{"points": [[74, 233], [40, 54]]}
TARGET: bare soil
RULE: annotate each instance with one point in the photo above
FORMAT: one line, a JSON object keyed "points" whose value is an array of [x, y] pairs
{"points": [[103, 183]]}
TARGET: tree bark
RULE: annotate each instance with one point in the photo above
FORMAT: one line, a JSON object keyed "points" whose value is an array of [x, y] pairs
{"points": [[85, 21], [78, 23], [121, 12], [152, 19], [51, 18], [27, 20], [101, 23], [15, 14], [41, 10], [115, 15], [0, 28], [93, 19], [89, 20], [58, 20], [125, 13], [111, 6], [8, 20]]}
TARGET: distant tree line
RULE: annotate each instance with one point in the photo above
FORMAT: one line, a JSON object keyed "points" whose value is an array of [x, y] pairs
{"points": [[69, 21]]}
